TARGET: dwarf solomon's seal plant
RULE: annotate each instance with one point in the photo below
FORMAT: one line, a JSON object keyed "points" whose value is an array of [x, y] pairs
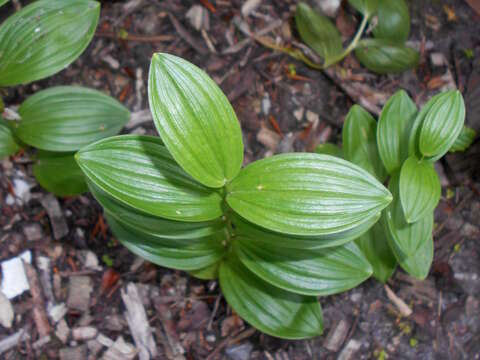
{"points": [[38, 41], [276, 233]]}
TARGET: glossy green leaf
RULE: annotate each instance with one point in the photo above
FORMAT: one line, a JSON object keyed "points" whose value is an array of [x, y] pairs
{"points": [[420, 189], [418, 265], [318, 32], [374, 245], [208, 273], [393, 130], [329, 149], [442, 125], [8, 144], [464, 140], [181, 254], [59, 174], [384, 57], [365, 7], [306, 194], [66, 118], [308, 272], [44, 37], [360, 143], [195, 120], [393, 21], [140, 172], [272, 310]]}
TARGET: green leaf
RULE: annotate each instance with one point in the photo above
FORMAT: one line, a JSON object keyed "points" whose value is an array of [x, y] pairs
{"points": [[272, 310], [420, 189], [207, 273], [360, 143], [8, 144], [195, 120], [318, 32], [66, 118], [329, 149], [3, 2], [384, 57], [464, 140], [181, 254], [308, 272], [365, 7], [374, 245], [59, 174], [140, 172], [393, 130], [442, 125], [393, 21], [44, 37], [306, 194]]}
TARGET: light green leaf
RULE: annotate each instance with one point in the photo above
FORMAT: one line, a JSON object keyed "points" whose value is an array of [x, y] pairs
{"points": [[329, 149], [360, 143], [44, 37], [140, 172], [418, 265], [393, 130], [442, 125], [464, 140], [365, 7], [207, 273], [8, 144], [272, 310], [374, 245], [420, 189], [318, 32], [393, 21], [384, 57], [66, 118], [195, 120], [59, 174], [3, 2], [308, 272], [306, 194]]}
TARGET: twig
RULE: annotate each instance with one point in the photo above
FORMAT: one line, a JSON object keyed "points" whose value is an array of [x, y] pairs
{"points": [[136, 37], [186, 36], [399, 303], [231, 340]]}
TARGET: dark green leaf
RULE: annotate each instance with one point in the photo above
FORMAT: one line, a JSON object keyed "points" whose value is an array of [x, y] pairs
{"points": [[59, 174], [44, 37], [66, 118], [8, 144], [365, 7], [207, 273], [306, 194], [195, 120], [272, 310], [393, 21], [464, 140], [318, 32], [418, 265], [140, 172], [384, 57], [420, 189], [393, 130], [329, 149], [360, 143]]}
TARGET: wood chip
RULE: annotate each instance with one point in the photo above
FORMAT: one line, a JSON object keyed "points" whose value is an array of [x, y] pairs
{"points": [[57, 220], [336, 336], [399, 303], [73, 353], [349, 351], [6, 312], [13, 340], [79, 290]]}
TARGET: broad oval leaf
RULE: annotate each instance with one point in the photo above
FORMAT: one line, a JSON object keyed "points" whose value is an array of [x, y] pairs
{"points": [[272, 310], [59, 174], [384, 57], [44, 37], [442, 125], [393, 21], [67, 118], [8, 144], [329, 149], [318, 32], [306, 194], [464, 140], [366, 7], [140, 172], [308, 272], [420, 189], [359, 142], [393, 130], [195, 120]]}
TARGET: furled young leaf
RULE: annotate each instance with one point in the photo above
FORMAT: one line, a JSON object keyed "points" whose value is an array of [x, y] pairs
{"points": [[306, 194], [66, 118], [329, 149], [359, 142], [208, 273], [140, 172], [59, 174], [420, 189], [44, 37], [393, 130], [365, 7], [384, 57], [307, 272], [181, 254], [270, 309], [442, 125], [464, 140], [195, 120], [418, 265], [8, 144], [318, 32], [393, 21], [374, 245]]}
